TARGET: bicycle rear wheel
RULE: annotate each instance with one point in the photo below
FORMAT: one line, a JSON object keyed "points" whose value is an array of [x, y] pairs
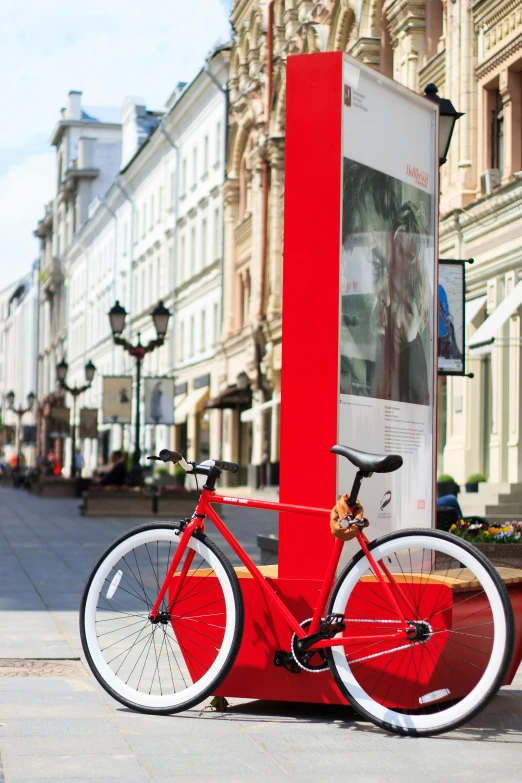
{"points": [[177, 662], [463, 643]]}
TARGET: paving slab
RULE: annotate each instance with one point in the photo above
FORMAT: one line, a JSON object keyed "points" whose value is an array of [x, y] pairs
{"points": [[61, 727]]}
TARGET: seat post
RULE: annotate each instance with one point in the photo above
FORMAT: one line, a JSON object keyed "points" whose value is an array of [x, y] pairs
{"points": [[352, 502]]}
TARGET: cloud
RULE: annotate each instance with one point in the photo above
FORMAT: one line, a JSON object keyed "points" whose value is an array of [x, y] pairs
{"points": [[23, 192]]}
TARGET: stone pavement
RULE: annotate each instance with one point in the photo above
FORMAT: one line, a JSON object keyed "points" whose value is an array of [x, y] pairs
{"points": [[58, 726]]}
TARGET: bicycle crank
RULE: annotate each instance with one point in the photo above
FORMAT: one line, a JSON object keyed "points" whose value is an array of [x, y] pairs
{"points": [[310, 660]]}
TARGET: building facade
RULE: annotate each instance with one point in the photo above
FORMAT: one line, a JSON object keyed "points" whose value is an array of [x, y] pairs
{"points": [[155, 234], [88, 155], [18, 366], [482, 219]]}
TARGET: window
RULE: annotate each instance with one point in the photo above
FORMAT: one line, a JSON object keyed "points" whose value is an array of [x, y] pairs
{"points": [[192, 251], [173, 188], [160, 204], [183, 178], [142, 297], [194, 165], [497, 134], [144, 221], [181, 341], [203, 335], [205, 156], [182, 255], [203, 243], [137, 225], [191, 336], [218, 143], [159, 281], [215, 331], [151, 283], [151, 213], [125, 239], [216, 248]]}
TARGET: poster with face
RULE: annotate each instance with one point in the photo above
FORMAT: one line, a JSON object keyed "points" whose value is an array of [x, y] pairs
{"points": [[451, 318], [117, 399], [387, 329], [159, 401]]}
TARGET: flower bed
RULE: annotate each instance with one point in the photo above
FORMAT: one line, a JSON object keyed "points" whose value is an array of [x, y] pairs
{"points": [[497, 542], [484, 533]]}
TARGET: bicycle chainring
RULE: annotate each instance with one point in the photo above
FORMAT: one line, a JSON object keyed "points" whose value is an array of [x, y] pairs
{"points": [[313, 661]]}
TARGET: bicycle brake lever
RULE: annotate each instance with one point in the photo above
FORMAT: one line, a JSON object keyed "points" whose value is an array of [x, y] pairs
{"points": [[158, 458]]}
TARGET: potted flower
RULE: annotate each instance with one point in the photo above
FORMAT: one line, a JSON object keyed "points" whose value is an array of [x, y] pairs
{"points": [[473, 481], [446, 485]]}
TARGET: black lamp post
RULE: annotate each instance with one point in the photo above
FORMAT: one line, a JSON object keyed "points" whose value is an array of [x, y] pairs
{"points": [[160, 316], [448, 117], [10, 398], [61, 372]]}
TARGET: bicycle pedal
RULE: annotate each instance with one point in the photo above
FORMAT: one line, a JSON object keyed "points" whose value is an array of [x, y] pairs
{"points": [[287, 661]]}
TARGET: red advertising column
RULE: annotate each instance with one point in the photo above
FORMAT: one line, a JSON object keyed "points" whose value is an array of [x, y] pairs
{"points": [[312, 233], [359, 293]]}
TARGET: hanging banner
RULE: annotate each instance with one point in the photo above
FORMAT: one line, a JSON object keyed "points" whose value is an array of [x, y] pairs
{"points": [[159, 401], [59, 422], [117, 398], [89, 423], [29, 435], [8, 434], [451, 317]]}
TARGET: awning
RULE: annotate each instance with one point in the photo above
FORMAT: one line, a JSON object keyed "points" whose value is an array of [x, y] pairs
{"points": [[233, 397], [483, 339], [192, 403], [250, 414], [473, 308]]}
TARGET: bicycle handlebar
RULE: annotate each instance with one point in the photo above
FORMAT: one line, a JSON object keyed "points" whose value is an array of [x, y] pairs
{"points": [[166, 455]]}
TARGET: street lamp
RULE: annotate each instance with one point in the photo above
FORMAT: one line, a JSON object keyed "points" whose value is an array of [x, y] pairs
{"points": [[448, 116], [160, 317], [10, 399], [61, 373]]}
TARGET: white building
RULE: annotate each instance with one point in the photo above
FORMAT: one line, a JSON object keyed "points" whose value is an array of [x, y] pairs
{"points": [[18, 368], [155, 234], [88, 154]]}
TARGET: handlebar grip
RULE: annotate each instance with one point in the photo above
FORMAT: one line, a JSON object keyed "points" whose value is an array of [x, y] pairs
{"points": [[170, 456], [232, 467]]}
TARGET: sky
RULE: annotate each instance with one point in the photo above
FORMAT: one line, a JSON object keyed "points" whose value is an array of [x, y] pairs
{"points": [[108, 49]]}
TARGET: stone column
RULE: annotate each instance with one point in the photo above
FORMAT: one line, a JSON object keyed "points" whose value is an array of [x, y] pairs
{"points": [[256, 262], [499, 374], [510, 84], [230, 208], [466, 128], [275, 252]]}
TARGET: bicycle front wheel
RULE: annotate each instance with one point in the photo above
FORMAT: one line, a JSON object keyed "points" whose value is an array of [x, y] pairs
{"points": [[462, 646], [171, 665]]}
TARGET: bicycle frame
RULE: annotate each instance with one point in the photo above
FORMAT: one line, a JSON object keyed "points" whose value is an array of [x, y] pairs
{"points": [[204, 509]]}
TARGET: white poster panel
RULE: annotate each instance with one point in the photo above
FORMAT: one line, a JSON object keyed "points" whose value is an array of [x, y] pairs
{"points": [[388, 278], [451, 317], [159, 401], [117, 399]]}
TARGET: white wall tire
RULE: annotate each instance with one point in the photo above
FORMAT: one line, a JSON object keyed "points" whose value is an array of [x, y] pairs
{"points": [[194, 692], [499, 658]]}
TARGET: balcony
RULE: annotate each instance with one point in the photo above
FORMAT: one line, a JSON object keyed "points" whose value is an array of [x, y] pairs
{"points": [[51, 277]]}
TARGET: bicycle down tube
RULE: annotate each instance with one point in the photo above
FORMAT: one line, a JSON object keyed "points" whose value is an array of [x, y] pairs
{"points": [[204, 509]]}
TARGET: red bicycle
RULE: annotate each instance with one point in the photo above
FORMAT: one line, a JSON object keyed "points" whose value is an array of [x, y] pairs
{"points": [[417, 629]]}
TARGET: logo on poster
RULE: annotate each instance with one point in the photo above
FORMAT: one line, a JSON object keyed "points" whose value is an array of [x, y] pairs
{"points": [[420, 177], [347, 95], [385, 500]]}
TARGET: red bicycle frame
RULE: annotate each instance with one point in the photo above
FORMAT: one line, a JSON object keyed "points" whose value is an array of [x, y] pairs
{"points": [[204, 509]]}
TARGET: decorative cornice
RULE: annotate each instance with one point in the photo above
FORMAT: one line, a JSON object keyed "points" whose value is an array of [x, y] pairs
{"points": [[496, 59]]}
